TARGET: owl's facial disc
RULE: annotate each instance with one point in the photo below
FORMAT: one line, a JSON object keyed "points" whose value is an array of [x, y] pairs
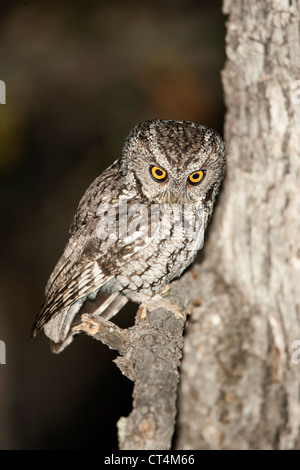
{"points": [[175, 187], [162, 183], [173, 161]]}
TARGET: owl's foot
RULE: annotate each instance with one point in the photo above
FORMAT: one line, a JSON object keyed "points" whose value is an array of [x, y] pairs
{"points": [[158, 302], [142, 312], [165, 291]]}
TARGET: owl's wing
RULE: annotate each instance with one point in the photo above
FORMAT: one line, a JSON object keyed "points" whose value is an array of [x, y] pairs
{"points": [[93, 256]]}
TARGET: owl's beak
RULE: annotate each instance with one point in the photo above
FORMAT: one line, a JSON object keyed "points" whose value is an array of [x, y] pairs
{"points": [[173, 198]]}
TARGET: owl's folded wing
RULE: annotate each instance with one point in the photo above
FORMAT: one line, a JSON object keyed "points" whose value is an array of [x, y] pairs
{"points": [[94, 255]]}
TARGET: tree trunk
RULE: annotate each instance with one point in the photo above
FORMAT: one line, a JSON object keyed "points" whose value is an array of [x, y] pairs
{"points": [[240, 374]]}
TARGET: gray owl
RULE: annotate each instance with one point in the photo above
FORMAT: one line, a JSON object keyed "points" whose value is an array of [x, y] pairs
{"points": [[137, 227]]}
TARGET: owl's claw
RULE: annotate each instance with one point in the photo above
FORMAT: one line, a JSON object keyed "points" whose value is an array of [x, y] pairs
{"points": [[165, 291], [142, 312], [158, 302]]}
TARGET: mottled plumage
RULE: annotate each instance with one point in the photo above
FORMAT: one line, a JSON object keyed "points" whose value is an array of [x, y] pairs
{"points": [[128, 238]]}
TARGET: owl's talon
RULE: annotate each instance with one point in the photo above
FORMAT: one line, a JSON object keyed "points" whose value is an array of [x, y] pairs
{"points": [[179, 313], [158, 302], [165, 291], [142, 312]]}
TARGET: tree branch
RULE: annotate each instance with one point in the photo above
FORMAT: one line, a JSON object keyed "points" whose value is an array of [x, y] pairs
{"points": [[150, 353]]}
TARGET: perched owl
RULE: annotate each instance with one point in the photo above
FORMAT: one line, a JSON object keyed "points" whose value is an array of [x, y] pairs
{"points": [[138, 226]]}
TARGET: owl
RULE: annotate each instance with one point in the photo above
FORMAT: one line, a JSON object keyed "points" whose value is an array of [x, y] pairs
{"points": [[137, 227]]}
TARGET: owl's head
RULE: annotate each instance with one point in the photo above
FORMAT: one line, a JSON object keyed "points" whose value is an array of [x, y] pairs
{"points": [[174, 161]]}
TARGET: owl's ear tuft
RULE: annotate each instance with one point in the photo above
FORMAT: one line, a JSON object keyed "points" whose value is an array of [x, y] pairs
{"points": [[123, 166], [126, 151], [136, 136], [124, 159]]}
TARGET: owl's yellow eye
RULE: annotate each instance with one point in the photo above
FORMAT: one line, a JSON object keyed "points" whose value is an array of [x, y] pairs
{"points": [[197, 177], [158, 173]]}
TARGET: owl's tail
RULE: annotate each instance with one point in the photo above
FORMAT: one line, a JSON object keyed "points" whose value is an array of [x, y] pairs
{"points": [[60, 329]]}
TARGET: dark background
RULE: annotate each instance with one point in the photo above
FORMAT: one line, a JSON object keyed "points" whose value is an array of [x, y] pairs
{"points": [[79, 75]]}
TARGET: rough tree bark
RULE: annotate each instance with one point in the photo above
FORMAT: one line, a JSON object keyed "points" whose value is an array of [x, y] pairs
{"points": [[239, 386], [150, 354]]}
